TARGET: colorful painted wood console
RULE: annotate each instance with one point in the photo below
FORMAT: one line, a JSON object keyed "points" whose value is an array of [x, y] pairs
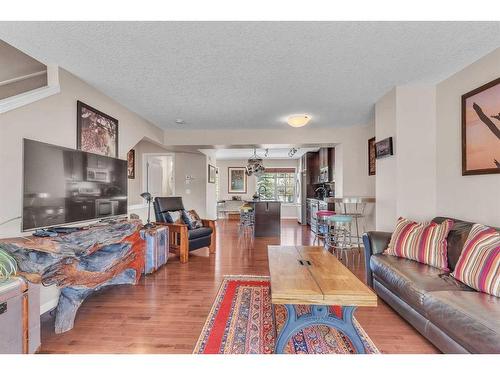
{"points": [[81, 263]]}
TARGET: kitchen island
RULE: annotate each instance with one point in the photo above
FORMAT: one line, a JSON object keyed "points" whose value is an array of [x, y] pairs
{"points": [[267, 218]]}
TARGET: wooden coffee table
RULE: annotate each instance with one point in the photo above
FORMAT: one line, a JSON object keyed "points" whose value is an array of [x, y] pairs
{"points": [[310, 275]]}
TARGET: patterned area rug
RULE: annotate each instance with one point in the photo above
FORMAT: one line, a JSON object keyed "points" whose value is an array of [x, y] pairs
{"points": [[241, 322]]}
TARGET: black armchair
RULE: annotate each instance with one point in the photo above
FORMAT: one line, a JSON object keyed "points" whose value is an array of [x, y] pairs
{"points": [[182, 239]]}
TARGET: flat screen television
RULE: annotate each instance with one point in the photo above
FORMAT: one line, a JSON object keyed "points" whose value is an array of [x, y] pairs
{"points": [[62, 186]]}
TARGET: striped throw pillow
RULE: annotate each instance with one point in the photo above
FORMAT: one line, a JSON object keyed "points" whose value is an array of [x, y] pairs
{"points": [[423, 242], [479, 262]]}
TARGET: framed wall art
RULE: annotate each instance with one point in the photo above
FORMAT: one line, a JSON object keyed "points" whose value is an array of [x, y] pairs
{"points": [[481, 130], [371, 157], [383, 148], [211, 174], [131, 164], [96, 131], [237, 180]]}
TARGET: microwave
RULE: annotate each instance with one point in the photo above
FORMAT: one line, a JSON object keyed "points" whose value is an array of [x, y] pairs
{"points": [[98, 175], [106, 207]]}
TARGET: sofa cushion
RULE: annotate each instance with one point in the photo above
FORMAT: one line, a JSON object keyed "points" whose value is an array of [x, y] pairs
{"points": [[199, 232], [423, 242], [410, 280], [479, 264], [470, 318]]}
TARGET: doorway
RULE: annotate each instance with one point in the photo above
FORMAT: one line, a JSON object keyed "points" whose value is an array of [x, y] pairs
{"points": [[158, 177]]}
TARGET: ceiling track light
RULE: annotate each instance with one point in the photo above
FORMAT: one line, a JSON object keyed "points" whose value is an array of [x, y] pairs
{"points": [[292, 152]]}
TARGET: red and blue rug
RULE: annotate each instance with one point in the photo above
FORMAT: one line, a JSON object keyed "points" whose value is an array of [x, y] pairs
{"points": [[241, 322]]}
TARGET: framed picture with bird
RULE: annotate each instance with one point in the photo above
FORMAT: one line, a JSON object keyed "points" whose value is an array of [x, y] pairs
{"points": [[481, 130]]}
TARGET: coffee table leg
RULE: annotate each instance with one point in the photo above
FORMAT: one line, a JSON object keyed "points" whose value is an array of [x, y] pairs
{"points": [[319, 316]]}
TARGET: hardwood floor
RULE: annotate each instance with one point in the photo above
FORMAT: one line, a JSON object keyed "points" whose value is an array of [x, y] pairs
{"points": [[166, 311]]}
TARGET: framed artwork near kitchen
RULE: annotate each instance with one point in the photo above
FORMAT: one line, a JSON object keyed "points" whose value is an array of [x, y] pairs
{"points": [[96, 131], [383, 148], [131, 164], [481, 130], [211, 174], [237, 180], [371, 157]]}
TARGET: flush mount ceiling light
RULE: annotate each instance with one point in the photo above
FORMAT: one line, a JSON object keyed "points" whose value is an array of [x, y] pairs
{"points": [[180, 121], [298, 121]]}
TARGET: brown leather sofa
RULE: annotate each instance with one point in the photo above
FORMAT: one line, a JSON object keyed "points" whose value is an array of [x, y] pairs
{"points": [[454, 317]]}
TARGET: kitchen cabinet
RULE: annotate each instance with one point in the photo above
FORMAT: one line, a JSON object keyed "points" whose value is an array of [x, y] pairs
{"points": [[326, 161]]}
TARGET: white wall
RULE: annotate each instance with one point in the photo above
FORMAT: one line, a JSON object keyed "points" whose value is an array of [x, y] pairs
{"points": [[193, 191], [288, 210], [473, 198], [386, 168], [406, 181], [211, 193], [416, 152]]}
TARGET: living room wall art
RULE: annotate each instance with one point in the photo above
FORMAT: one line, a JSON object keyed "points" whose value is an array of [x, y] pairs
{"points": [[131, 164], [371, 157], [96, 131], [384, 148], [481, 130], [211, 174], [237, 180]]}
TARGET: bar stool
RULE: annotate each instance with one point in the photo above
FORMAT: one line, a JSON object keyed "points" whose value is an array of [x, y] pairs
{"points": [[355, 207], [339, 236], [247, 220], [221, 210], [322, 224]]}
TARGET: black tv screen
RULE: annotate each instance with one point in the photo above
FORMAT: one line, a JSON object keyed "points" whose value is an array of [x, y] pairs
{"points": [[62, 186]]}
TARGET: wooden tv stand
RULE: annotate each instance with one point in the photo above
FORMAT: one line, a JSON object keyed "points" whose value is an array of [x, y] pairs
{"points": [[81, 263]]}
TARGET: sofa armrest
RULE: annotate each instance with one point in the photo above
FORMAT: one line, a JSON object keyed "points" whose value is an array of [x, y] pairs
{"points": [[374, 243]]}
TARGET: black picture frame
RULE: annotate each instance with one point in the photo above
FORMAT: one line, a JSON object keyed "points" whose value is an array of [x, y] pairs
{"points": [[384, 148], [371, 157], [487, 120], [131, 164], [108, 126], [211, 174]]}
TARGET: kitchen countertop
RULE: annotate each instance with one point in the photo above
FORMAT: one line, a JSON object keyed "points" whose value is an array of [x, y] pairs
{"points": [[263, 201]]}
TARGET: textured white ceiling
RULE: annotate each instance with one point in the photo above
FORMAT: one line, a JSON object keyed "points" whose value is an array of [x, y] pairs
{"points": [[231, 75], [245, 153]]}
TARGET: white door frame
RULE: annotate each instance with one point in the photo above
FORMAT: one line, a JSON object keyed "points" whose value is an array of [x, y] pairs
{"points": [[144, 162]]}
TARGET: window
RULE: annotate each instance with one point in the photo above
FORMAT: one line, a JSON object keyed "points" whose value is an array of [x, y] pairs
{"points": [[279, 184]]}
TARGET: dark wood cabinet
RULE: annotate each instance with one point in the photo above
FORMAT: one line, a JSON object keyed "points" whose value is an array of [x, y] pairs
{"points": [[326, 161]]}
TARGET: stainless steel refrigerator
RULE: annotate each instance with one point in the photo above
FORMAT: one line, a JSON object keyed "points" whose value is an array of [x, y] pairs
{"points": [[301, 191]]}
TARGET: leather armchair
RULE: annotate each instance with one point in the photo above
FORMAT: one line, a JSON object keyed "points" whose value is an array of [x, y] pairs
{"points": [[182, 239]]}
